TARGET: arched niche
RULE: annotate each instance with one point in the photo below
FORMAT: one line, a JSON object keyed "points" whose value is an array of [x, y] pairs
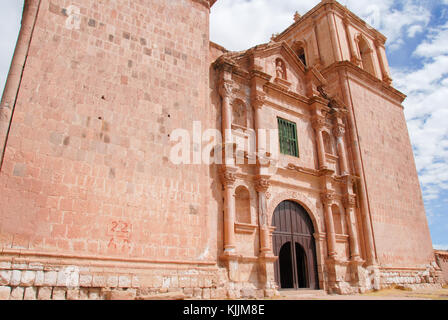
{"points": [[242, 205]]}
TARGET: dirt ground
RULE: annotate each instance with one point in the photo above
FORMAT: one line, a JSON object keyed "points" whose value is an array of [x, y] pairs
{"points": [[386, 294]]}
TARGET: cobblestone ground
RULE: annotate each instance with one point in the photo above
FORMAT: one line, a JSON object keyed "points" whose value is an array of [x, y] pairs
{"points": [[387, 294]]}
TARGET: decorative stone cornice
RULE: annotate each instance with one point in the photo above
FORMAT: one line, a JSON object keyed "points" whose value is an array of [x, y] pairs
{"points": [[260, 74], [372, 81], [312, 172], [335, 7]]}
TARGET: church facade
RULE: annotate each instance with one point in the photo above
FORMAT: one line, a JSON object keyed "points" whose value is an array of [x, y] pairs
{"points": [[314, 183]]}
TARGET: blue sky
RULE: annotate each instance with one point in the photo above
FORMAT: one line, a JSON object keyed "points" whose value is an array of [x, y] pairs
{"points": [[417, 47]]}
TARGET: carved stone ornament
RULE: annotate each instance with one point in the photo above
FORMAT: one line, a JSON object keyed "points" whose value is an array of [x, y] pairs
{"points": [[318, 123], [258, 100], [225, 88], [328, 198], [262, 184], [228, 177], [339, 131], [350, 201]]}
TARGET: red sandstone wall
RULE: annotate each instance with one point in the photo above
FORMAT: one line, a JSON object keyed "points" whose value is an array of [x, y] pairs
{"points": [[400, 225], [86, 169]]}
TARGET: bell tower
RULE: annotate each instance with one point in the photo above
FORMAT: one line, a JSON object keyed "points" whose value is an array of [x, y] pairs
{"points": [[351, 56]]}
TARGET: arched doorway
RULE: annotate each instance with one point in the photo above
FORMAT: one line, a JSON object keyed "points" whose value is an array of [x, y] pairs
{"points": [[293, 242]]}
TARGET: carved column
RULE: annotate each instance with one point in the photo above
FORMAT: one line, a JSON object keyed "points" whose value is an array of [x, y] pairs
{"points": [[318, 125], [316, 50], [339, 132], [381, 54], [258, 100], [262, 186], [225, 90], [350, 205], [327, 201], [228, 180]]}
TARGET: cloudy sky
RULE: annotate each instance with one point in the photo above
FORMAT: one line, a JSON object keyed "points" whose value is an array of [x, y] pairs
{"points": [[417, 32]]}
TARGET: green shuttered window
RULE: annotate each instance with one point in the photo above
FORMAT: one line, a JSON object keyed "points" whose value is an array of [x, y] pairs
{"points": [[287, 131]]}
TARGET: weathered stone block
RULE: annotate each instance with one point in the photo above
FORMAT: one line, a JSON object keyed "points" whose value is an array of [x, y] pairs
{"points": [[50, 278], [44, 293], [15, 278], [124, 282], [135, 282], [197, 293], [188, 292], [40, 279], [112, 281], [5, 277], [59, 293], [84, 294], [85, 280], [5, 292], [248, 293], [28, 278], [73, 294], [95, 294], [120, 295], [17, 293], [99, 281], [206, 293], [30, 293]]}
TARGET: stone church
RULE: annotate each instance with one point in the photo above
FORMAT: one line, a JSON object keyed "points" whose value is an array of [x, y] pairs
{"points": [[92, 207]]}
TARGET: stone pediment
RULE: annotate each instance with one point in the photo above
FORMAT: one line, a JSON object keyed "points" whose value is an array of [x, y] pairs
{"points": [[289, 75], [287, 71]]}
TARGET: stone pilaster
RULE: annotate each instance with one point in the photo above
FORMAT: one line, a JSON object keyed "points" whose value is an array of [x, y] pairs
{"points": [[327, 201], [318, 125], [228, 180], [354, 54], [339, 133], [350, 205], [382, 59]]}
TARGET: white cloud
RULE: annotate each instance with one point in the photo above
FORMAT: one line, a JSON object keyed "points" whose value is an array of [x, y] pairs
{"points": [[413, 30], [437, 43], [440, 246], [426, 110], [241, 24]]}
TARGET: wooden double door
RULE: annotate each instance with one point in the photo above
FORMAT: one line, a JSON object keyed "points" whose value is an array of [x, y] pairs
{"points": [[293, 243]]}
